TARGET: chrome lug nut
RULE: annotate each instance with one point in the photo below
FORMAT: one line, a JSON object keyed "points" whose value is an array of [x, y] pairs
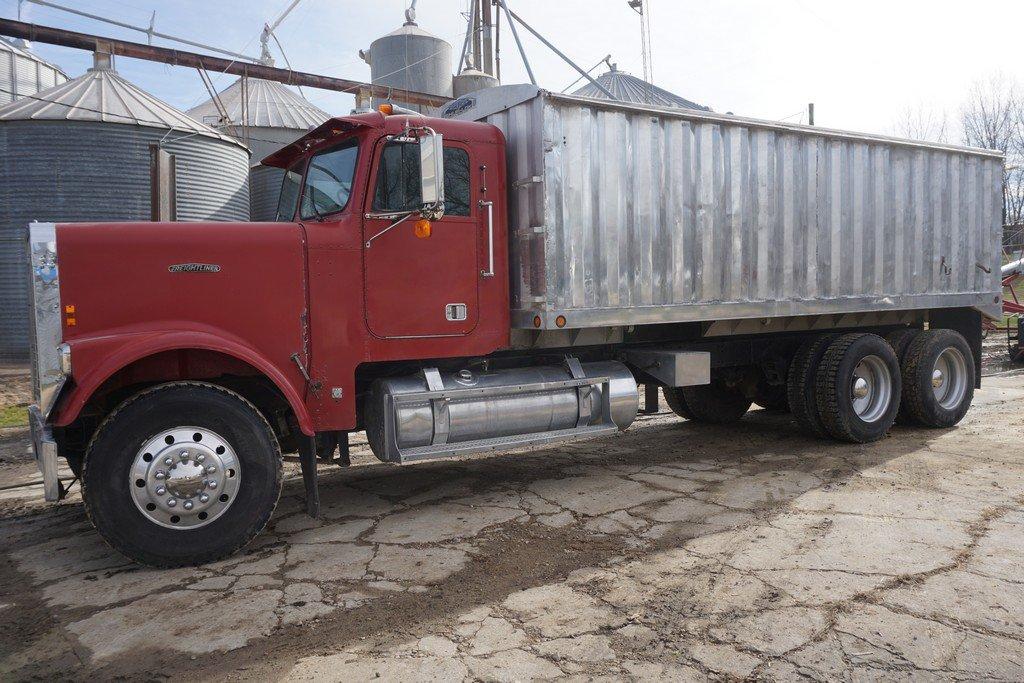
{"points": [[160, 474], [171, 502], [184, 456], [203, 498], [168, 461], [187, 505], [212, 484], [211, 469], [200, 457], [160, 490]]}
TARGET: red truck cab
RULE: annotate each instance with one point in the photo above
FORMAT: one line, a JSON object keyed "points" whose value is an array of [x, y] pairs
{"points": [[280, 316]]}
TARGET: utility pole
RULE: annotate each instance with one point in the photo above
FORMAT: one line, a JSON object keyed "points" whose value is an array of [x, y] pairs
{"points": [[810, 114]]}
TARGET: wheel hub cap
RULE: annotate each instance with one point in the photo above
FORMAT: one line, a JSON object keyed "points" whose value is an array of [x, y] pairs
{"points": [[949, 378], [184, 477], [871, 389], [860, 387]]}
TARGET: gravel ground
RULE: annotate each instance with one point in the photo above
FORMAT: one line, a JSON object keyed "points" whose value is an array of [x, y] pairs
{"points": [[674, 551]]}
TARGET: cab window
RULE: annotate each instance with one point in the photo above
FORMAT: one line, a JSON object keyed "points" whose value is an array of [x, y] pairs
{"points": [[329, 180], [398, 180], [289, 198]]}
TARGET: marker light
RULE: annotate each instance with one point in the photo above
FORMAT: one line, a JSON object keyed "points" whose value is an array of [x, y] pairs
{"points": [[422, 229], [386, 109], [560, 321]]}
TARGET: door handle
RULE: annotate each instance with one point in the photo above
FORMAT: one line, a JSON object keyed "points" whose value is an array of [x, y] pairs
{"points": [[490, 238]]}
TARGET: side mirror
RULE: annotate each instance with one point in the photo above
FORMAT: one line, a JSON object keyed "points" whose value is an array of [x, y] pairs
{"points": [[432, 175]]}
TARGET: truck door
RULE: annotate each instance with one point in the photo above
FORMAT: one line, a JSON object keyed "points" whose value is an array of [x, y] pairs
{"points": [[418, 286]]}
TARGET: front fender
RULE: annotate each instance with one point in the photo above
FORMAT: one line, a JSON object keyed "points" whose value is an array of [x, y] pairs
{"points": [[101, 357]]}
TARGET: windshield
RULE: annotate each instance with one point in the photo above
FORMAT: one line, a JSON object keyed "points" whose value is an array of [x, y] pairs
{"points": [[329, 180], [290, 185]]}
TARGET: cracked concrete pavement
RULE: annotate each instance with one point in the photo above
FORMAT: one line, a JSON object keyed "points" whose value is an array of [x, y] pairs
{"points": [[674, 551]]}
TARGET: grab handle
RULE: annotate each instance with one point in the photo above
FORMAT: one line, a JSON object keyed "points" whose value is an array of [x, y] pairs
{"points": [[490, 238]]}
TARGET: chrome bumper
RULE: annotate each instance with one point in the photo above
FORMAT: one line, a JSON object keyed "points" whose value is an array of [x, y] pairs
{"points": [[45, 450]]}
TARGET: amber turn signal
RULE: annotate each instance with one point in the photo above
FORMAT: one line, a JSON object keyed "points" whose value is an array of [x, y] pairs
{"points": [[422, 229], [386, 109], [560, 321]]}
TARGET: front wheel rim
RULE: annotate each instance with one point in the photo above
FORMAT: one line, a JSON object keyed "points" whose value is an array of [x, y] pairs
{"points": [[871, 389], [949, 378], [184, 477]]}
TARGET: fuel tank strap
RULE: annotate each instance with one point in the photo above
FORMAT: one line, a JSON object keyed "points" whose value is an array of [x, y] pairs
{"points": [[439, 407]]}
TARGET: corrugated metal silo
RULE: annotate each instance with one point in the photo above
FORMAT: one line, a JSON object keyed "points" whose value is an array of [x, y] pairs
{"points": [[273, 116], [472, 80], [629, 88], [23, 73], [413, 59], [81, 152]]}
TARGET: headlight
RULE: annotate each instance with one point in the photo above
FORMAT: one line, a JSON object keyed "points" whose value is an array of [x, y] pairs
{"points": [[64, 351]]}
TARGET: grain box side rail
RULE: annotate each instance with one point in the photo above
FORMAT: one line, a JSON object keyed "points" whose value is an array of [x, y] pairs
{"points": [[623, 214]]}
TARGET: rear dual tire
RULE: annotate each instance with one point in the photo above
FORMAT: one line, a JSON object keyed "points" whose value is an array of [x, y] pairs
{"points": [[801, 388], [677, 402], [938, 378], [852, 387], [858, 385], [715, 403]]}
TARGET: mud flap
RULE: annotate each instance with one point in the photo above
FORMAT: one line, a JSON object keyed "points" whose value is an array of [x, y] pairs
{"points": [[307, 459]]}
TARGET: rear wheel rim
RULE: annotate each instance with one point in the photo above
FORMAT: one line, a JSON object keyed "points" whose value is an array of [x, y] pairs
{"points": [[184, 477], [871, 389], [949, 378]]}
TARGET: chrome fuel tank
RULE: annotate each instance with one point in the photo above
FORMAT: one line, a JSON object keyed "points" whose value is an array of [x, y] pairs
{"points": [[469, 407]]}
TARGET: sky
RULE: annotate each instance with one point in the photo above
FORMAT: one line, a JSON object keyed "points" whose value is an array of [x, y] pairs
{"points": [[863, 63]]}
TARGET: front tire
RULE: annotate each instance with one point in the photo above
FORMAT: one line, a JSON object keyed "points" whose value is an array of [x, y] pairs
{"points": [[182, 474], [938, 379]]}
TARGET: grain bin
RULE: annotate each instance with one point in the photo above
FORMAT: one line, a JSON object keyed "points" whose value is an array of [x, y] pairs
{"points": [[81, 151], [472, 80], [266, 116], [23, 73], [629, 88], [412, 59]]}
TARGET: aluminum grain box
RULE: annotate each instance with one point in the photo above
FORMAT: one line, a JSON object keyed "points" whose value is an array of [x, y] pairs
{"points": [[623, 214]]}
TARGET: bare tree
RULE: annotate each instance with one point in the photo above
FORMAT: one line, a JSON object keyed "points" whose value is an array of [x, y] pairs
{"points": [[990, 114], [922, 123], [1013, 196], [992, 117]]}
